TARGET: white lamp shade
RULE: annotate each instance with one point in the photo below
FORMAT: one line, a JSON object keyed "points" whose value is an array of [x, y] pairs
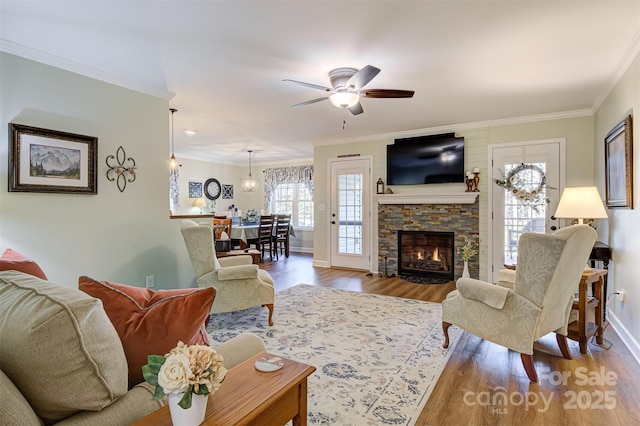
{"points": [[344, 99], [581, 202], [200, 202], [249, 184]]}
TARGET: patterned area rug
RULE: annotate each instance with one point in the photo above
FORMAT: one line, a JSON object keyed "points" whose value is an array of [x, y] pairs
{"points": [[377, 358]]}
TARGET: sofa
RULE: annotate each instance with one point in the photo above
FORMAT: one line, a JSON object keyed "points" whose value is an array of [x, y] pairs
{"points": [[62, 361]]}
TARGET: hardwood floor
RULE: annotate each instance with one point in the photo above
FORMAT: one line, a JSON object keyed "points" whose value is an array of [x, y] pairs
{"points": [[601, 387]]}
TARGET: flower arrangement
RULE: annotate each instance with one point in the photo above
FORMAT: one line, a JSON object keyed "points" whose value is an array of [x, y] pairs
{"points": [[251, 216], [469, 249], [195, 369]]}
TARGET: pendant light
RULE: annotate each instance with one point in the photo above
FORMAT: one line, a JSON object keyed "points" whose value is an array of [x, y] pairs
{"points": [[173, 164], [249, 184]]}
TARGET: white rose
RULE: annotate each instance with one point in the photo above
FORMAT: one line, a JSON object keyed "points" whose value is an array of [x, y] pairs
{"points": [[174, 374]]}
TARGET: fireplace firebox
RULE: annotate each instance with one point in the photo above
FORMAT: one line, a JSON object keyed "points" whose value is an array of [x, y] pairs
{"points": [[426, 254]]}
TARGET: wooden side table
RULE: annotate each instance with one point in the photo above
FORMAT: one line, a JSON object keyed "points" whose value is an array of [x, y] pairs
{"points": [[250, 397], [582, 329], [602, 252]]}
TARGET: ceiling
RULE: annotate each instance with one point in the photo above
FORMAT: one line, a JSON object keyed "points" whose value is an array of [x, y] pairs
{"points": [[468, 61]]}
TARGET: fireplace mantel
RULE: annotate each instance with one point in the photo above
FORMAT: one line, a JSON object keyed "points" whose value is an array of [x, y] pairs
{"points": [[435, 198]]}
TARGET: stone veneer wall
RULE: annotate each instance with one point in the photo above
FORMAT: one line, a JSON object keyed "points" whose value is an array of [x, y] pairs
{"points": [[462, 219]]}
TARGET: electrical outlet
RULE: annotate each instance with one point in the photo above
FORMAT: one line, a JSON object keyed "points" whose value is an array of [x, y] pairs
{"points": [[622, 295], [150, 281]]}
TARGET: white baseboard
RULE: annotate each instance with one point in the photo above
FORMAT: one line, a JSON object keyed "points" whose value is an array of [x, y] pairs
{"points": [[301, 249], [629, 341], [321, 263]]}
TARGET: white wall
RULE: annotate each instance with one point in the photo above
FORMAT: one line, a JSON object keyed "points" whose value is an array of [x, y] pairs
{"points": [[115, 236], [200, 171], [620, 231]]}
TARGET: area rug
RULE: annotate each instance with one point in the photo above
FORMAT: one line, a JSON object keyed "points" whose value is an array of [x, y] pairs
{"points": [[377, 358]]}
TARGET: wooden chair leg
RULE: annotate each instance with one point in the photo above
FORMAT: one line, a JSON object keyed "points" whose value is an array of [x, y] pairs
{"points": [[445, 330], [270, 307], [527, 363], [562, 344]]}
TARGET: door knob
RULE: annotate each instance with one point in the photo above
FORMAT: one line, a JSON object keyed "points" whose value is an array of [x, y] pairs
{"points": [[553, 228], [333, 222]]}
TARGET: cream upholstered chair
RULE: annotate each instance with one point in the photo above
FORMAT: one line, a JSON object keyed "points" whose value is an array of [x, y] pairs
{"points": [[547, 276], [239, 284]]}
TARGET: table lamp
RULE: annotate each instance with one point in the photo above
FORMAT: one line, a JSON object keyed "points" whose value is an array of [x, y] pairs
{"points": [[581, 202], [200, 202]]}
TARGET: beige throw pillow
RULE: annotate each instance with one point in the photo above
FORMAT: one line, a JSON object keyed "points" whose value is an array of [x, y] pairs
{"points": [[58, 347]]}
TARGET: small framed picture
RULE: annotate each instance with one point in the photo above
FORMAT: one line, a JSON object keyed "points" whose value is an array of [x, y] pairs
{"points": [[195, 189], [42, 160], [618, 156], [227, 192]]}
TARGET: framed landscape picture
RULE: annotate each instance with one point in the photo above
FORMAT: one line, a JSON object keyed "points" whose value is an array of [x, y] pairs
{"points": [[619, 165], [42, 160]]}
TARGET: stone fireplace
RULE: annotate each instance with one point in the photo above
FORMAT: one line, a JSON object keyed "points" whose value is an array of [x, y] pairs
{"points": [[425, 253], [453, 214]]}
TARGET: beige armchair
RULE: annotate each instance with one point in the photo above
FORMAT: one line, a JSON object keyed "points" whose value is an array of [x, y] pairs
{"points": [[547, 276], [239, 284]]}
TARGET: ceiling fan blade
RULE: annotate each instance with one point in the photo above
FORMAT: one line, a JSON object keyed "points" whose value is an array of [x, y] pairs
{"points": [[312, 101], [362, 77], [356, 109], [386, 93], [313, 86]]}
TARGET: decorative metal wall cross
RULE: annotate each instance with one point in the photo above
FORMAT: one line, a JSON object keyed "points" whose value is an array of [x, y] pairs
{"points": [[119, 172]]}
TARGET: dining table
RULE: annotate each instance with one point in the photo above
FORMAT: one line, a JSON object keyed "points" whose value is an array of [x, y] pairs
{"points": [[246, 233]]}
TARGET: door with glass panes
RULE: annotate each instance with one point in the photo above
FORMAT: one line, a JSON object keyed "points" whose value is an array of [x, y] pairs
{"points": [[531, 167], [350, 216]]}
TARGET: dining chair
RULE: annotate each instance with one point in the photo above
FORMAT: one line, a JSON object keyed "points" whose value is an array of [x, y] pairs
{"points": [[281, 234], [265, 236], [221, 225]]}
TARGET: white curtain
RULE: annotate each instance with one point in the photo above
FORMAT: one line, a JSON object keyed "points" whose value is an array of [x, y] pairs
{"points": [[294, 174], [174, 192]]}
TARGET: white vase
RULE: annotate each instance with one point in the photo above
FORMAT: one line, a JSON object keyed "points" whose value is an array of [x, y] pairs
{"points": [[465, 271], [192, 416]]}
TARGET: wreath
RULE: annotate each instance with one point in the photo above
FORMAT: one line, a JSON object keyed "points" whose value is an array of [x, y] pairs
{"points": [[516, 184]]}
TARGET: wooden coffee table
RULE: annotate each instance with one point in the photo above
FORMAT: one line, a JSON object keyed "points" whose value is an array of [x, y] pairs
{"points": [[255, 254], [250, 397]]}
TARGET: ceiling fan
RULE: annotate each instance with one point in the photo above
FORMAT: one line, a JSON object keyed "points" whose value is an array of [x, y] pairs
{"points": [[347, 89]]}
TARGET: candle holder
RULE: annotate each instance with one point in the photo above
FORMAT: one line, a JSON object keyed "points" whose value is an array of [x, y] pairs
{"points": [[469, 182], [476, 181]]}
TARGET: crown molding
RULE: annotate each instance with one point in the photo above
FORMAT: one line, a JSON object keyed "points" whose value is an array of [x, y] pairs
{"points": [[460, 127], [629, 56], [74, 67]]}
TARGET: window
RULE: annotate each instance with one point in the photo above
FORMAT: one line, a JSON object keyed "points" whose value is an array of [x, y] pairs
{"points": [[293, 199]]}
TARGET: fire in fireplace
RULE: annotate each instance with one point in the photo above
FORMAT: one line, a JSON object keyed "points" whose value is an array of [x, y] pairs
{"points": [[427, 254]]}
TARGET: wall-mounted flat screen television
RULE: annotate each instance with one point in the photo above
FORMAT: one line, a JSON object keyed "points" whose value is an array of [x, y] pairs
{"points": [[426, 159]]}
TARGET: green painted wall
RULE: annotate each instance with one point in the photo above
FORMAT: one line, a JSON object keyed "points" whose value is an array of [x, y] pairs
{"points": [[620, 230], [115, 236]]}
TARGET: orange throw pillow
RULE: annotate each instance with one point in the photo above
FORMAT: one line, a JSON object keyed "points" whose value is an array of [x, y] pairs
{"points": [[13, 261], [152, 322]]}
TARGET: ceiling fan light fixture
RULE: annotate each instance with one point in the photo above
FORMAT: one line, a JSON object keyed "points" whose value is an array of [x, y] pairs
{"points": [[344, 99]]}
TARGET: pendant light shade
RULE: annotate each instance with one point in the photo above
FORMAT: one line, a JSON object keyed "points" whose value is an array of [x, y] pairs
{"points": [[249, 184], [173, 164]]}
